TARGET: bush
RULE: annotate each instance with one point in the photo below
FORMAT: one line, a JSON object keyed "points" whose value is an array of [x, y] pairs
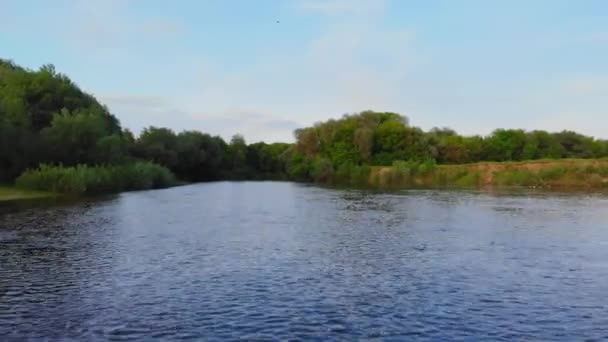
{"points": [[552, 173], [518, 178], [427, 167], [83, 179], [322, 170], [344, 172], [359, 175], [468, 180], [402, 172]]}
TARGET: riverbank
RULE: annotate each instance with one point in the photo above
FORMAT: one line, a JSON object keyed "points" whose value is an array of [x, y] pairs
{"points": [[547, 174], [14, 194]]}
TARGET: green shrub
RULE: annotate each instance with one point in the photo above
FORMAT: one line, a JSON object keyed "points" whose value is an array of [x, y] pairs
{"points": [[322, 170], [518, 178], [402, 172], [552, 173], [427, 167], [470, 179], [359, 175], [343, 173], [83, 179]]}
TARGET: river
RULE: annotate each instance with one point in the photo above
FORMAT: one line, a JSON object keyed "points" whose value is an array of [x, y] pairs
{"points": [[279, 261]]}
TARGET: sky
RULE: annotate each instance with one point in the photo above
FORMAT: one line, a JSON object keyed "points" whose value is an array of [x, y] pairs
{"points": [[264, 68]]}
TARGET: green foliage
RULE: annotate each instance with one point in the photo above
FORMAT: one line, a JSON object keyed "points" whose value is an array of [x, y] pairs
{"points": [[12, 194], [381, 139], [359, 175], [518, 178], [46, 118], [199, 156], [298, 166], [402, 172], [83, 179], [552, 173], [426, 167], [467, 179], [158, 145], [266, 161], [112, 149], [33, 97], [236, 159], [322, 170], [344, 173], [73, 138]]}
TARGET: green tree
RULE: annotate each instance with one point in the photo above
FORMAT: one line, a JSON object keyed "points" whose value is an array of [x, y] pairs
{"points": [[199, 156], [158, 145], [72, 138]]}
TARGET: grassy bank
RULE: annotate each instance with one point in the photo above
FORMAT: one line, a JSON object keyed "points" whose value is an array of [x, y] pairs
{"points": [[548, 174], [89, 180], [14, 194]]}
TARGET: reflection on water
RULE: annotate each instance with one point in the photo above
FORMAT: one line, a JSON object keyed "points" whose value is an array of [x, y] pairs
{"points": [[272, 260]]}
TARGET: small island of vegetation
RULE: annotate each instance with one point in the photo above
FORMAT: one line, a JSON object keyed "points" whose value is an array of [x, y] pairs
{"points": [[56, 138]]}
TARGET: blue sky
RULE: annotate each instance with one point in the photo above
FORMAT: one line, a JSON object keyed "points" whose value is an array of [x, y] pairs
{"points": [[227, 66]]}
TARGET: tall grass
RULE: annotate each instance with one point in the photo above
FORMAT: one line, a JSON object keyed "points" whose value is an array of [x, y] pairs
{"points": [[405, 174], [83, 179]]}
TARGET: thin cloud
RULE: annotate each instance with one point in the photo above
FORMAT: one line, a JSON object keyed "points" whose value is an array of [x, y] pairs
{"points": [[253, 124], [143, 102]]}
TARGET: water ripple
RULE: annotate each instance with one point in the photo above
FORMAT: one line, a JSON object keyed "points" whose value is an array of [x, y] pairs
{"points": [[280, 261]]}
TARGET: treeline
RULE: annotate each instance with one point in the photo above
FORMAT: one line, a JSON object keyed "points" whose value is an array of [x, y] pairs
{"points": [[45, 119], [196, 156], [335, 148]]}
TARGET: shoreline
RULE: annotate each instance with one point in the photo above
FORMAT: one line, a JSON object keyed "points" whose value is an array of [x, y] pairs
{"points": [[558, 174], [11, 193]]}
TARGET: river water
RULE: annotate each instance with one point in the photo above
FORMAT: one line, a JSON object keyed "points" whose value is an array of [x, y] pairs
{"points": [[279, 261]]}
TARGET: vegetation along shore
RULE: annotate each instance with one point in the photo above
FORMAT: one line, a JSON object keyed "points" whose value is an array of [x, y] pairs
{"points": [[8, 193], [56, 138]]}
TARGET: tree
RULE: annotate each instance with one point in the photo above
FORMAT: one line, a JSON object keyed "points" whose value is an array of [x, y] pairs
{"points": [[307, 141], [199, 156], [236, 158], [112, 149], [452, 150], [72, 138], [158, 145], [504, 145], [364, 141], [44, 117]]}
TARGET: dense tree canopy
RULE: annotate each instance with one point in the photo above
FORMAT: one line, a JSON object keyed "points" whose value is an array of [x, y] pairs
{"points": [[372, 138], [46, 119]]}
